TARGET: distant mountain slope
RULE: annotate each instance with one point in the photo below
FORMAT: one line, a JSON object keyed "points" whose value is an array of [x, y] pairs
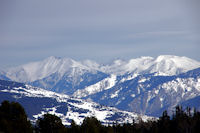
{"points": [[3, 77], [166, 65], [145, 85], [65, 75], [69, 84], [163, 65], [148, 94], [38, 70], [37, 101]]}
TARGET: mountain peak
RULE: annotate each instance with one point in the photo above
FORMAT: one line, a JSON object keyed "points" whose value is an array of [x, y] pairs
{"points": [[171, 65], [165, 57], [162, 65], [58, 59], [53, 57], [41, 69], [172, 58]]}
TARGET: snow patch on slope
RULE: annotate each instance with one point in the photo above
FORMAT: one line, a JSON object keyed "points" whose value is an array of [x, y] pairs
{"points": [[105, 84], [186, 85], [76, 109], [130, 77], [115, 94], [30, 91]]}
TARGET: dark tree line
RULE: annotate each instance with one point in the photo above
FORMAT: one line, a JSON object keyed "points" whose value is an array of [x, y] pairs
{"points": [[13, 119]]}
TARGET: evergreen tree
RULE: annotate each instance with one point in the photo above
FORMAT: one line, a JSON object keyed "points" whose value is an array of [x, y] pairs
{"points": [[196, 121], [50, 124], [13, 118], [91, 125], [74, 128], [164, 123]]}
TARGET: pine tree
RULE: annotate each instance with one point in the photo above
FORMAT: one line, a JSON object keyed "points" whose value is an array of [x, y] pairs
{"points": [[74, 128], [13, 118], [50, 124], [164, 123], [91, 125]]}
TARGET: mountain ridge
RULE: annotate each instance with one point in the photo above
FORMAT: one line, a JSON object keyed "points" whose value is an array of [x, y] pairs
{"points": [[62, 105], [162, 65], [140, 85], [149, 94]]}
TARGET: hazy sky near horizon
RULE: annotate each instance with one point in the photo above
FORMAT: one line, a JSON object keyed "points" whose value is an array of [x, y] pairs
{"points": [[103, 30]]}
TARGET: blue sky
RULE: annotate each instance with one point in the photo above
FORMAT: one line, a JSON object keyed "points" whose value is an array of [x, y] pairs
{"points": [[104, 30]]}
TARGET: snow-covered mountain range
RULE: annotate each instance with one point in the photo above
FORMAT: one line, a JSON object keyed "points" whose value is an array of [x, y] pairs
{"points": [[147, 93], [165, 65], [145, 85], [37, 102]]}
